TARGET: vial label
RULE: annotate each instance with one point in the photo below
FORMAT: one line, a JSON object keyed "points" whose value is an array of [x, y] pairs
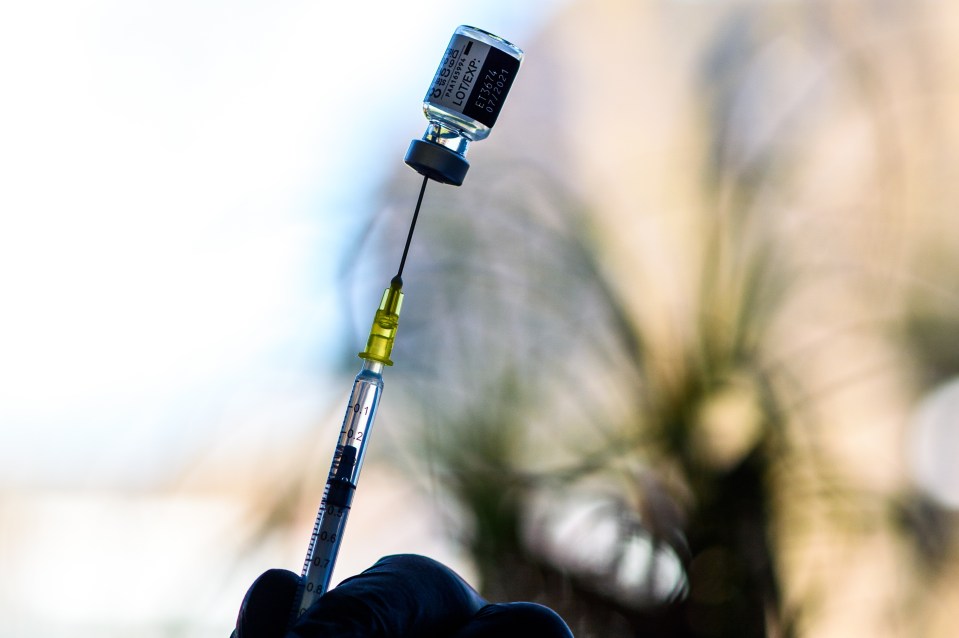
{"points": [[473, 79]]}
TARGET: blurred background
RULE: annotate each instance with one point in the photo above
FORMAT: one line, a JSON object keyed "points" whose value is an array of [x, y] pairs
{"points": [[678, 359]]}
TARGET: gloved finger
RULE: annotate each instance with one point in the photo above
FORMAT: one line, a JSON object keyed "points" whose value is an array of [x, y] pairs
{"points": [[515, 620], [267, 606], [398, 597]]}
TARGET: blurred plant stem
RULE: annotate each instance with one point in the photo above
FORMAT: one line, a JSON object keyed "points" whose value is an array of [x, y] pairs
{"points": [[664, 444]]}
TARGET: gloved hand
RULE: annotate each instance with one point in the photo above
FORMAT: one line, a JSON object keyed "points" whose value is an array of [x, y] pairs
{"points": [[402, 596]]}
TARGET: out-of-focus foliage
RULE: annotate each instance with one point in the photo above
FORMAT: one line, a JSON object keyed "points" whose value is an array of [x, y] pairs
{"points": [[663, 349]]}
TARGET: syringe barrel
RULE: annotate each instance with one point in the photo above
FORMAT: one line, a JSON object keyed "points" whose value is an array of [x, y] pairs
{"points": [[340, 484]]}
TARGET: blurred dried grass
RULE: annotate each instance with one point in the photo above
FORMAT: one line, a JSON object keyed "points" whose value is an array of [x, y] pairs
{"points": [[660, 353], [662, 349]]}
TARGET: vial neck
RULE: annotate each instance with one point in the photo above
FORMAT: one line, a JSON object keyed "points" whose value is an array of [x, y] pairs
{"points": [[450, 138]]}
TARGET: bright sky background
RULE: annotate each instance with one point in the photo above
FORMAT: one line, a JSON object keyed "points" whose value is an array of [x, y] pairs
{"points": [[178, 181]]}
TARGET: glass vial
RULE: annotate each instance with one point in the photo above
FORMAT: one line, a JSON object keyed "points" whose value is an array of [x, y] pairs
{"points": [[463, 101]]}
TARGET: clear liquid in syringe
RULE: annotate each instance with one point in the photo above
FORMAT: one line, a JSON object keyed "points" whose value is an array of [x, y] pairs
{"points": [[341, 483]]}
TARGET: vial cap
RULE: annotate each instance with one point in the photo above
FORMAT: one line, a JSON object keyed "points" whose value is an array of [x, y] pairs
{"points": [[437, 162]]}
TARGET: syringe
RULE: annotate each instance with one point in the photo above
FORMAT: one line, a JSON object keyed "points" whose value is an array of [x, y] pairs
{"points": [[353, 438], [350, 450]]}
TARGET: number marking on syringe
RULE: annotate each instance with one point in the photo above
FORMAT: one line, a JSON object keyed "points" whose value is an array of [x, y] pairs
{"points": [[358, 413]]}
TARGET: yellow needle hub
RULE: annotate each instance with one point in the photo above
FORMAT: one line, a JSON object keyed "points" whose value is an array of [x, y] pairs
{"points": [[380, 344]]}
